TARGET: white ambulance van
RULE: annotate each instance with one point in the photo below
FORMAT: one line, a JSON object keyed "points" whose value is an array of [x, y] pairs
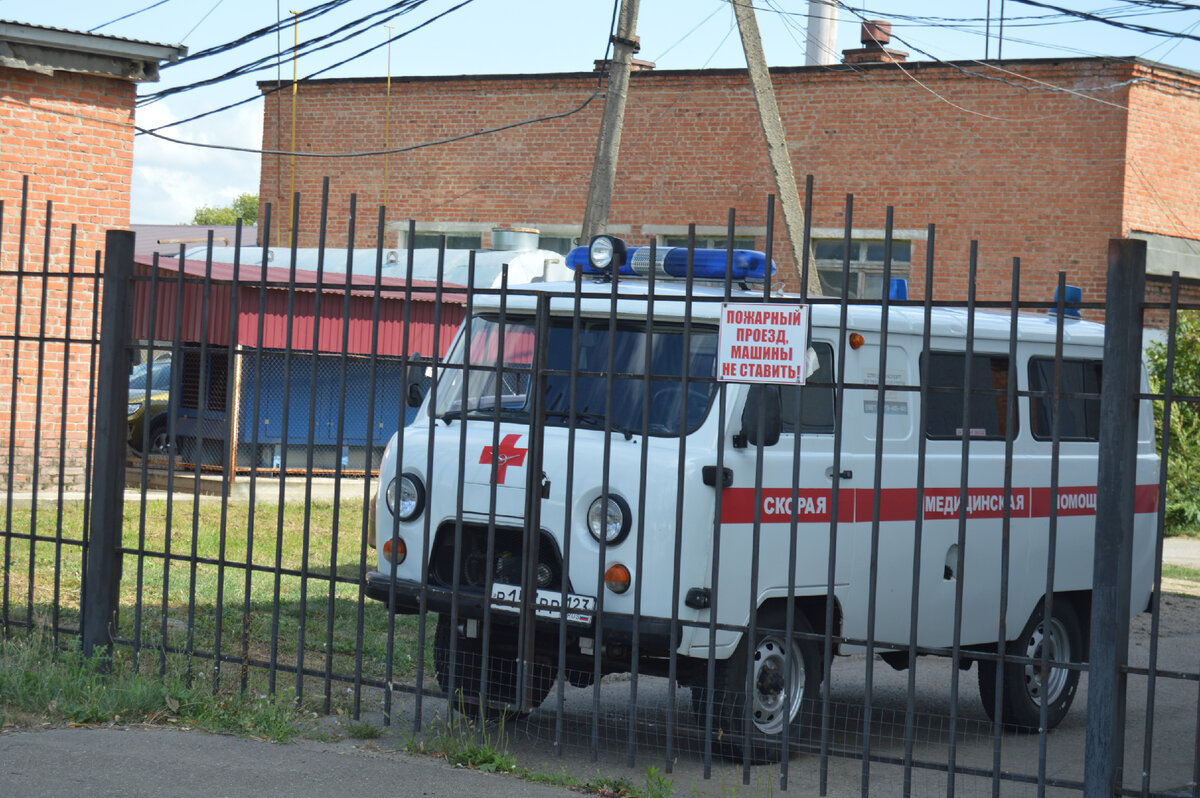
{"points": [[651, 518]]}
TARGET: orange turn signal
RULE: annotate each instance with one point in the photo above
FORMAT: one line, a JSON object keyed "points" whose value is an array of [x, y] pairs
{"points": [[395, 555], [617, 578], [856, 340]]}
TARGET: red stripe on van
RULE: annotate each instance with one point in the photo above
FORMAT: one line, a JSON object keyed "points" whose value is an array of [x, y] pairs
{"points": [[900, 504], [737, 506]]}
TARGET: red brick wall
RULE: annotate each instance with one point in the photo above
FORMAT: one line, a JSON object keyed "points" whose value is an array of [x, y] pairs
{"points": [[1030, 160], [72, 137]]}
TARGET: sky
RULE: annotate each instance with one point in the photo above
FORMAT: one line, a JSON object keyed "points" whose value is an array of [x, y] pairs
{"points": [[453, 37]]}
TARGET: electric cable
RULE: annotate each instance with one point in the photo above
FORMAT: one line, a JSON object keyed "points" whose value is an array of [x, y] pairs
{"points": [[365, 154], [127, 16], [310, 75], [307, 47]]}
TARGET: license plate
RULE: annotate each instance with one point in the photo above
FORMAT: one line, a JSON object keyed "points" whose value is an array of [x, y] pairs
{"points": [[507, 598]]}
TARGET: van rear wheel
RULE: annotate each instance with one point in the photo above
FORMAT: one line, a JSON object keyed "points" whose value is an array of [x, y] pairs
{"points": [[783, 684], [1025, 689]]}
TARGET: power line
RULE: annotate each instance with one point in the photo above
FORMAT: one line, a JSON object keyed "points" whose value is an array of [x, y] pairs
{"points": [[307, 47], [1137, 28], [312, 75], [366, 154], [127, 16]]}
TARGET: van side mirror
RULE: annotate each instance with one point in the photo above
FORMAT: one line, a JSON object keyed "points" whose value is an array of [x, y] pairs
{"points": [[762, 402], [416, 373]]}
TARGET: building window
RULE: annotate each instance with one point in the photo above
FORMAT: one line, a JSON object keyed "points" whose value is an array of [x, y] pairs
{"points": [[560, 244], [453, 240], [708, 242], [866, 266]]}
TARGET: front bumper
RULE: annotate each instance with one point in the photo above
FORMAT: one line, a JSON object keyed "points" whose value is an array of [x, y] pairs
{"points": [[654, 634]]}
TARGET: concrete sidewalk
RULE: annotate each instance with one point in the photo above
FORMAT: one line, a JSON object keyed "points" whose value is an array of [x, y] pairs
{"points": [[138, 762], [1183, 551]]}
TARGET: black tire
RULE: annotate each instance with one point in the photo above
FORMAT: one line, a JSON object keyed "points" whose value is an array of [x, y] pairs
{"points": [[1024, 688], [772, 707], [160, 438], [468, 672]]}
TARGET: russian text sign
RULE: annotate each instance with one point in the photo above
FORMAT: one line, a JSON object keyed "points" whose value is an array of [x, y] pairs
{"points": [[763, 343]]}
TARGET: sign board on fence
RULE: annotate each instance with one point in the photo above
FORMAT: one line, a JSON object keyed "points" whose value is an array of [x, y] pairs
{"points": [[763, 343]]}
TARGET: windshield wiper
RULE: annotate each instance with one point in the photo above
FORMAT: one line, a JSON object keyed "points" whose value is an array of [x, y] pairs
{"points": [[486, 409], [591, 419], [594, 419]]}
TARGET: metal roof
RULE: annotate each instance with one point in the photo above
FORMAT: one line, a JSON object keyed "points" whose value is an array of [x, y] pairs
{"points": [[48, 50]]}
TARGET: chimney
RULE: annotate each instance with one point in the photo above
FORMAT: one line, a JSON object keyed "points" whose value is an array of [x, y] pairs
{"points": [[876, 34], [635, 64]]}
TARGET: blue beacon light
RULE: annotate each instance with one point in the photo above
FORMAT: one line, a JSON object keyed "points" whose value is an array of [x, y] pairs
{"points": [[707, 264]]}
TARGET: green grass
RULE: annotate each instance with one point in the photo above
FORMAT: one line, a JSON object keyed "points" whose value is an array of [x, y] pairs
{"points": [[41, 684], [236, 588], [1170, 571]]}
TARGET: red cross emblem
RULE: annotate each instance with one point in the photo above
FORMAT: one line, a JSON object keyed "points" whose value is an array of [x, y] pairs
{"points": [[508, 455]]}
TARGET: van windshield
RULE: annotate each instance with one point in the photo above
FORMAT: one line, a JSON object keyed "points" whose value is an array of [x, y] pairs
{"points": [[670, 409]]}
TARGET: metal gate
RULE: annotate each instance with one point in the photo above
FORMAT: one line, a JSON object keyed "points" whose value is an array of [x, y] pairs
{"points": [[756, 554]]}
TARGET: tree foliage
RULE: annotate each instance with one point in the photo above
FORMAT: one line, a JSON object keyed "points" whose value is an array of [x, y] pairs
{"points": [[1183, 456], [244, 207]]}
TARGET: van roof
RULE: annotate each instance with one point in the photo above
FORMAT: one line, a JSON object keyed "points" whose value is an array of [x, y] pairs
{"points": [[670, 303]]}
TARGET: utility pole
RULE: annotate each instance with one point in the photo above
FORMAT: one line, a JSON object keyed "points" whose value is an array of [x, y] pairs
{"points": [[604, 168], [772, 126]]}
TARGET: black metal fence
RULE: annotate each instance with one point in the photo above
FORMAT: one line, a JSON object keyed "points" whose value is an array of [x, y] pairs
{"points": [[949, 475]]}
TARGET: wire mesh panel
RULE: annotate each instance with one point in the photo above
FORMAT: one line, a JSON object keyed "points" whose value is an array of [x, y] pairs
{"points": [[559, 513]]}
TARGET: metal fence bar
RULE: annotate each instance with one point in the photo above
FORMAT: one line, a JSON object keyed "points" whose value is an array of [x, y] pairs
{"points": [[1160, 505], [368, 532], [12, 399], [39, 382], [1105, 746], [71, 276], [876, 503], [342, 453], [100, 598]]}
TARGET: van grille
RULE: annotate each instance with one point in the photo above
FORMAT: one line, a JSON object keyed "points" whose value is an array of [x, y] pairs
{"points": [[505, 566]]}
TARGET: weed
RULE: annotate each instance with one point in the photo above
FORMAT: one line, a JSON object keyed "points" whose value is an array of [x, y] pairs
{"points": [[362, 731], [658, 785]]}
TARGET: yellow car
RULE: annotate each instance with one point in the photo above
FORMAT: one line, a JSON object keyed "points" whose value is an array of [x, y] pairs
{"points": [[148, 421]]}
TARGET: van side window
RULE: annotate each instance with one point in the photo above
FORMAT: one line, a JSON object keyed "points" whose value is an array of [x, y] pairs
{"points": [[1079, 413], [817, 411], [988, 403]]}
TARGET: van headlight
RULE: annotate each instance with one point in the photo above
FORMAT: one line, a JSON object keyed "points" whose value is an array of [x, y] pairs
{"points": [[611, 527], [406, 496]]}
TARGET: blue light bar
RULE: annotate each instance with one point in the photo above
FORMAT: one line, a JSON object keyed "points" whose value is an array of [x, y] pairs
{"points": [[1073, 297], [671, 263], [898, 288]]}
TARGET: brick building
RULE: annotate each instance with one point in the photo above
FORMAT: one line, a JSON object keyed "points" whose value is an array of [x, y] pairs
{"points": [[66, 149], [1042, 159]]}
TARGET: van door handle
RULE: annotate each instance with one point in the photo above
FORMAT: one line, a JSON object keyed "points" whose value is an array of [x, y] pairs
{"points": [[847, 474]]}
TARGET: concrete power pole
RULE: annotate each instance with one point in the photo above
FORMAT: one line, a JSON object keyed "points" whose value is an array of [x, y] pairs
{"points": [[772, 126], [604, 168]]}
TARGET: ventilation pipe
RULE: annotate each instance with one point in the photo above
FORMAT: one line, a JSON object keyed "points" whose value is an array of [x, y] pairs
{"points": [[822, 33]]}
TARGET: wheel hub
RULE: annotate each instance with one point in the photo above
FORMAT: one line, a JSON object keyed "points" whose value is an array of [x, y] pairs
{"points": [[1048, 639], [778, 685]]}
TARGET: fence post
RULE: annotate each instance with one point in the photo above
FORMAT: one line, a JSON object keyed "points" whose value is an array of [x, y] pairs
{"points": [[103, 576], [1116, 486]]}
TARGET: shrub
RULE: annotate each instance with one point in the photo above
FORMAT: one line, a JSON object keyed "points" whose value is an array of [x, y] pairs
{"points": [[1183, 458]]}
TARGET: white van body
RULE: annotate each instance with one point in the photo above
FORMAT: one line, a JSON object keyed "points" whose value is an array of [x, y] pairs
{"points": [[431, 454]]}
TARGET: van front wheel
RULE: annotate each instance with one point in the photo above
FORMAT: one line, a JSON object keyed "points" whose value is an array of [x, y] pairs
{"points": [[468, 674], [783, 681], [1060, 639]]}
